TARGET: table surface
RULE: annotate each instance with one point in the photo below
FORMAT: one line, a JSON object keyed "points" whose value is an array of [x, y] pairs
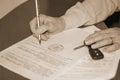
{"points": [[11, 33]]}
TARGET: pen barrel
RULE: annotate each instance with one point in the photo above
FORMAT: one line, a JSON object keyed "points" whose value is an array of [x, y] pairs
{"points": [[37, 13], [37, 19]]}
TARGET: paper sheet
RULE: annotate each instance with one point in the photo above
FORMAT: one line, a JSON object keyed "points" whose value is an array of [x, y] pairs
{"points": [[55, 57], [45, 61], [88, 69]]}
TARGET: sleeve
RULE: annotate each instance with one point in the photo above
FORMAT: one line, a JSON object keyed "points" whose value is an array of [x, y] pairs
{"points": [[89, 12]]}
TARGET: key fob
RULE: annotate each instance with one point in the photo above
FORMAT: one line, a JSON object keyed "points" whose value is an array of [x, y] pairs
{"points": [[96, 54]]}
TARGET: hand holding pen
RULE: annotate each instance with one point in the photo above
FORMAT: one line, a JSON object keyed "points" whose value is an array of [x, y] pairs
{"points": [[42, 25], [48, 26]]}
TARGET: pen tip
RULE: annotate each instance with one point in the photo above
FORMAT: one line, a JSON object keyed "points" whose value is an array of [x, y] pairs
{"points": [[39, 39], [40, 42]]}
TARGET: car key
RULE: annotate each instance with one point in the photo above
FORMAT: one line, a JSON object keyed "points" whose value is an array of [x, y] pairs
{"points": [[96, 54]]}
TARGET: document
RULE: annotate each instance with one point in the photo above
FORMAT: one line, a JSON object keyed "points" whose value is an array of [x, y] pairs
{"points": [[89, 69], [56, 59]]}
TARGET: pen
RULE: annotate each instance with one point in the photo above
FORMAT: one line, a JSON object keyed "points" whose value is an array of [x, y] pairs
{"points": [[78, 47], [96, 54], [37, 19]]}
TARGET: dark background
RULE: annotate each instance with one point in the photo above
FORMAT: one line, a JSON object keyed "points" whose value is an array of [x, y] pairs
{"points": [[113, 20]]}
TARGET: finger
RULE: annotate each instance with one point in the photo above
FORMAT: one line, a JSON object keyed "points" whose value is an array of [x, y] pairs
{"points": [[96, 37], [112, 48], [52, 28], [102, 43], [109, 32], [36, 36], [45, 36], [49, 27], [92, 35], [42, 29]]}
